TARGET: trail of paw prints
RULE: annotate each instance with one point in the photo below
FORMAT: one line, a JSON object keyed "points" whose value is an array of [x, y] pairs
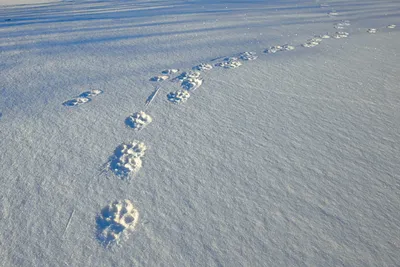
{"points": [[376, 30], [115, 222], [317, 40], [82, 98], [127, 159]]}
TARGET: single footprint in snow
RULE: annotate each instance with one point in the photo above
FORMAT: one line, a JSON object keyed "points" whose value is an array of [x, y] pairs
{"points": [[341, 25], [178, 97], [159, 78], [229, 63], [170, 71], [339, 35], [202, 67], [92, 93], [324, 36], [312, 42], [82, 98], [138, 120], [391, 26], [76, 101], [127, 159], [186, 75], [372, 30], [247, 56], [279, 48], [115, 222], [191, 84], [273, 49]]}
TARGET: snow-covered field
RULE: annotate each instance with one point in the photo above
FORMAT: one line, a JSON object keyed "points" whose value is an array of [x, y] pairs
{"points": [[289, 159]]}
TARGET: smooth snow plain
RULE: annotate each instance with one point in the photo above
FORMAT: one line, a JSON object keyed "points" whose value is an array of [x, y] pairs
{"points": [[289, 159]]}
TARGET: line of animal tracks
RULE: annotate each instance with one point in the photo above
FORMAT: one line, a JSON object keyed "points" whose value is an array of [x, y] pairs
{"points": [[118, 219]]}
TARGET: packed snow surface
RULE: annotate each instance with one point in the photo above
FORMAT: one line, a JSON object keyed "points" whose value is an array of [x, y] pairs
{"points": [[285, 155]]}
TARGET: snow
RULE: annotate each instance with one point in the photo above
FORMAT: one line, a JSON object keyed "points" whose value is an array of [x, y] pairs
{"points": [[289, 159], [24, 2]]}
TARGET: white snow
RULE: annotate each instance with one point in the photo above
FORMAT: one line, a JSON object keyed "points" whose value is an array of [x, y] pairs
{"points": [[25, 2], [292, 159]]}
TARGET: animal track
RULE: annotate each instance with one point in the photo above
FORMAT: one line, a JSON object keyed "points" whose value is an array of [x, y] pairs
{"points": [[178, 97], [170, 71], [159, 78], [247, 56], [339, 35], [116, 221], [82, 98], [324, 36], [191, 84], [138, 120], [92, 93], [119, 218], [312, 42], [278, 48], [273, 49], [186, 75], [127, 159], [229, 63], [76, 101], [341, 25], [202, 66]]}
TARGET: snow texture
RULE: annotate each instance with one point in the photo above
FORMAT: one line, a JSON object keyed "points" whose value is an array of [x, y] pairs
{"points": [[290, 160]]}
